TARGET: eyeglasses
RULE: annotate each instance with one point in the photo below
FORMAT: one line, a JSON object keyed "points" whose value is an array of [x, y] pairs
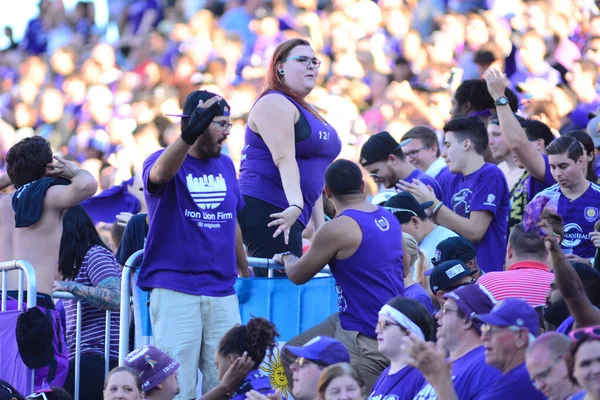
{"points": [[375, 174], [541, 376], [306, 61], [395, 210], [446, 310], [381, 325], [413, 153], [224, 125], [593, 331], [303, 362], [492, 329]]}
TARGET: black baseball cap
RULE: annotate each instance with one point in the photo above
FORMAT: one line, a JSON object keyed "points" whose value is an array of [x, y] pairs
{"points": [[35, 335], [378, 147], [404, 206], [447, 274], [454, 248], [192, 100]]}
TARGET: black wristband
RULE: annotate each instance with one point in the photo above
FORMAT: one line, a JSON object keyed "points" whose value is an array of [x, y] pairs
{"points": [[198, 123], [296, 205]]}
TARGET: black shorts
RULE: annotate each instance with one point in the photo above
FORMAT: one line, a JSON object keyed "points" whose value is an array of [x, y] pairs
{"points": [[258, 237]]}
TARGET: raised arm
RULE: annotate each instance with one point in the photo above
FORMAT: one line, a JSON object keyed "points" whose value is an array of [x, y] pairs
{"points": [[514, 134], [570, 285], [274, 117], [172, 158], [82, 186]]}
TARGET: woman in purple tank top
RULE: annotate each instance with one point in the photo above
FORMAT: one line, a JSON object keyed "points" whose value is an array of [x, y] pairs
{"points": [[288, 147]]}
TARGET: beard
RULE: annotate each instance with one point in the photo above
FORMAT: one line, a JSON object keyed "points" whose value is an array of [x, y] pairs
{"points": [[208, 147], [557, 312]]}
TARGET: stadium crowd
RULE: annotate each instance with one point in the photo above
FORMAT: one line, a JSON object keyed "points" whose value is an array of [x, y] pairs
{"points": [[438, 156]]}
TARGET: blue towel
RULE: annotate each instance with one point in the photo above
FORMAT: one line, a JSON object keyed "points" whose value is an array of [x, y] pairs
{"points": [[28, 200]]}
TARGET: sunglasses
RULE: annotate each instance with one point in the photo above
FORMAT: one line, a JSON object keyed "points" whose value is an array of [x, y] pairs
{"points": [[6, 388], [38, 394], [592, 331]]}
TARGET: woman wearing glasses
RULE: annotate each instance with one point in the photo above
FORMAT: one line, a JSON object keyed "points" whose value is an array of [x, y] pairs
{"points": [[288, 147], [396, 319], [585, 362]]}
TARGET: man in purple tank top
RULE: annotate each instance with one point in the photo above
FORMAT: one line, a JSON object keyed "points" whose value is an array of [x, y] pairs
{"points": [[364, 248]]}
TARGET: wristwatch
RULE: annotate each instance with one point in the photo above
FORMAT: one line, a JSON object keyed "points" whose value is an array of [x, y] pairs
{"points": [[287, 253], [502, 101]]}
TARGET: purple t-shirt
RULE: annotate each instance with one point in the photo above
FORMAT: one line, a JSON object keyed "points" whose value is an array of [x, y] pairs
{"points": [[514, 385], [534, 186], [427, 180], [578, 215], [260, 178], [471, 377], [483, 190], [403, 385], [192, 235], [98, 264], [417, 292], [566, 325], [255, 380], [373, 275]]}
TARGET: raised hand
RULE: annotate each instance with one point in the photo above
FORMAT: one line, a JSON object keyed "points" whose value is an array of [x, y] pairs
{"points": [[201, 119], [496, 83], [59, 167]]}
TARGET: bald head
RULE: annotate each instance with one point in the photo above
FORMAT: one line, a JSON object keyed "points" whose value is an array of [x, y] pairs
{"points": [[553, 344]]}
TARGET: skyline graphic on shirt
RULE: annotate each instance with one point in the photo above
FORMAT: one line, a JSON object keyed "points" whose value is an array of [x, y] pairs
{"points": [[207, 191]]}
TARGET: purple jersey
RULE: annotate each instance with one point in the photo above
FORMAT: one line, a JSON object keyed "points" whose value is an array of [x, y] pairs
{"points": [[483, 190], [578, 215], [427, 180], [373, 275], [514, 385], [192, 235], [255, 380], [471, 377], [417, 292], [403, 385], [260, 177]]}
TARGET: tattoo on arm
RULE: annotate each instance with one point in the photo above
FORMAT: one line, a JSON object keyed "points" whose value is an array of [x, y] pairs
{"points": [[106, 296]]}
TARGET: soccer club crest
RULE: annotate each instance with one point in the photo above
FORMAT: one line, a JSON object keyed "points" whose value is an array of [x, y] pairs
{"points": [[591, 214]]}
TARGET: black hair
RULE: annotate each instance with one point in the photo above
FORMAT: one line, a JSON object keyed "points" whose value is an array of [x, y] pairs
{"points": [[79, 234], [475, 92], [343, 177], [426, 135], [417, 313], [57, 393], [527, 243], [591, 281], [565, 144], [256, 338], [26, 161], [136, 376], [588, 144], [7, 391], [471, 128], [537, 130]]}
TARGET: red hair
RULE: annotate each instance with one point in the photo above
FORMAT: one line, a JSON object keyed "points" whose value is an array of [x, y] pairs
{"points": [[274, 80]]}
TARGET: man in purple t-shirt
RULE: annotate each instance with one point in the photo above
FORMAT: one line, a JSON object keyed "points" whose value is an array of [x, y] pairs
{"points": [[476, 200], [471, 376], [194, 242], [385, 160], [361, 234]]}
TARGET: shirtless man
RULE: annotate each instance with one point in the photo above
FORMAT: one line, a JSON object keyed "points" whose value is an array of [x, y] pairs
{"points": [[27, 162]]}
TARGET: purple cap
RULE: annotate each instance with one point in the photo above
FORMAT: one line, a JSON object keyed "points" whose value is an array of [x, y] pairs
{"points": [[154, 365], [512, 312], [322, 350], [472, 299]]}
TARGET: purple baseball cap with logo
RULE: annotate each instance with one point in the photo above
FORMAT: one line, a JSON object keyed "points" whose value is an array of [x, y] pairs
{"points": [[322, 350], [512, 312], [153, 364]]}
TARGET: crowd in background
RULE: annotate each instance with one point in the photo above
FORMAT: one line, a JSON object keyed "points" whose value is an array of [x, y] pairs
{"points": [[386, 65]]}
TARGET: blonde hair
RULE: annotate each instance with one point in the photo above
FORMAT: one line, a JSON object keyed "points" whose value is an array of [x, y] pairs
{"points": [[336, 371], [416, 255]]}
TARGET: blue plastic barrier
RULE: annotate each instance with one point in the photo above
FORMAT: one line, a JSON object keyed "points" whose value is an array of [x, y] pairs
{"points": [[292, 308]]}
